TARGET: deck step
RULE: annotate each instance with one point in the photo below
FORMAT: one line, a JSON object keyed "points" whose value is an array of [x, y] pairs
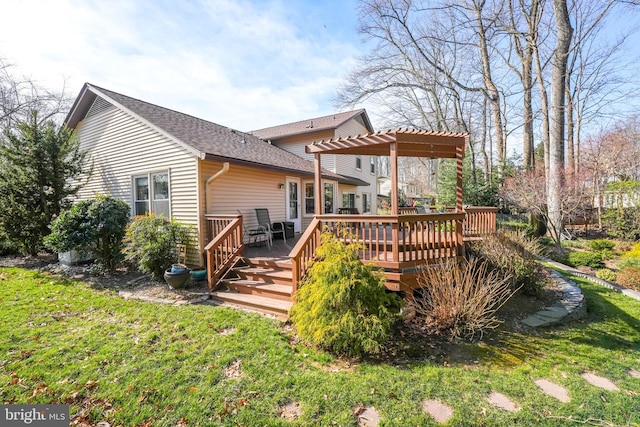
{"points": [[256, 287], [272, 306], [275, 263], [264, 274]]}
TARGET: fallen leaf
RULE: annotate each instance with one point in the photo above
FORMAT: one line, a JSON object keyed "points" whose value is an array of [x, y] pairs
{"points": [[360, 409], [192, 389]]}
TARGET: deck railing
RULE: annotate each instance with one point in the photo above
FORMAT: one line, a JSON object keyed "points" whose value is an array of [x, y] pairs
{"points": [[304, 251], [479, 221], [398, 242], [225, 244]]}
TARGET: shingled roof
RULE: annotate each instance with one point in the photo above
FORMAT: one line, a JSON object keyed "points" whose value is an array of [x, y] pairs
{"points": [[315, 124], [205, 139]]}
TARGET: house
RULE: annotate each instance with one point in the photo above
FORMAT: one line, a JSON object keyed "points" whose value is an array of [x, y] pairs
{"points": [[186, 168], [294, 137], [213, 177]]}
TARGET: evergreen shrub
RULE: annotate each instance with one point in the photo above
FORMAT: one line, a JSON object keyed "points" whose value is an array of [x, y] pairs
{"points": [[585, 259], [606, 274], [151, 243], [342, 304], [92, 226]]}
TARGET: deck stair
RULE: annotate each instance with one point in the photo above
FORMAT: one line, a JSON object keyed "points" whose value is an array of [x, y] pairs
{"points": [[258, 284]]}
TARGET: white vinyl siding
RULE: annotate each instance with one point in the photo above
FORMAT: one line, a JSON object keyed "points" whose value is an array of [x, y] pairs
{"points": [[121, 147]]}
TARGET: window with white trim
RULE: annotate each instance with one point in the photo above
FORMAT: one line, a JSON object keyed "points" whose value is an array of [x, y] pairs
{"points": [[348, 200], [372, 165], [309, 199], [358, 163], [151, 194], [366, 202]]}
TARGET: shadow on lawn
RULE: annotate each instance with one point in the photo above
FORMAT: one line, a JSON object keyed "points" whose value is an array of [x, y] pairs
{"points": [[607, 325]]}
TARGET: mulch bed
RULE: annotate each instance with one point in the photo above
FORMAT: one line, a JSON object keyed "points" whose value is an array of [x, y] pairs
{"points": [[123, 279]]}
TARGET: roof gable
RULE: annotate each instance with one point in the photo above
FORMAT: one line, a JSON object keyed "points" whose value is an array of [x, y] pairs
{"points": [[330, 122], [203, 138]]}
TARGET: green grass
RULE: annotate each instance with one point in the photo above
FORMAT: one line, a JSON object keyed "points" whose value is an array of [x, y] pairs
{"points": [[131, 363]]}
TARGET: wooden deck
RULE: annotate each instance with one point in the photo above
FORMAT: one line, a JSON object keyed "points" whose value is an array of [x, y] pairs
{"points": [[399, 245]]}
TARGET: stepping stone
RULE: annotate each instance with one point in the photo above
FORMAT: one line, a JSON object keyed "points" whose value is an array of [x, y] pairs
{"points": [[437, 410], [634, 373], [601, 382], [368, 417], [291, 411], [554, 390], [501, 401]]}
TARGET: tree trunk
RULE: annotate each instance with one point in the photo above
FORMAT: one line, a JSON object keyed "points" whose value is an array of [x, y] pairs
{"points": [[556, 130], [571, 150]]}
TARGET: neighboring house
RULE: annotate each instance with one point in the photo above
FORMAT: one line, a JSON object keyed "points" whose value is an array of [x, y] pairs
{"points": [[160, 160], [360, 194]]}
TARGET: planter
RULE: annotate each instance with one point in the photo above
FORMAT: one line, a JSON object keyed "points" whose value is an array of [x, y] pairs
{"points": [[199, 274], [75, 258], [177, 280]]}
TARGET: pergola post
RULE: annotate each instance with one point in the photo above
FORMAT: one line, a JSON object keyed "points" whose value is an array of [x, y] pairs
{"points": [[459, 224], [393, 160], [318, 184], [459, 156]]}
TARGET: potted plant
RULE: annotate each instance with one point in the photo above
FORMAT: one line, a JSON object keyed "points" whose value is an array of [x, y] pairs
{"points": [[177, 277]]}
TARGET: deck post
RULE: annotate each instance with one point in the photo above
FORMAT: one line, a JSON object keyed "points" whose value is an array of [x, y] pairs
{"points": [[459, 156], [318, 184]]}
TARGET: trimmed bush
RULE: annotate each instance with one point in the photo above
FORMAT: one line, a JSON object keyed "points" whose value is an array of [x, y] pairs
{"points": [[585, 259], [630, 277], [151, 243], [599, 245], [513, 254], [460, 299], [606, 274], [342, 304], [92, 226]]}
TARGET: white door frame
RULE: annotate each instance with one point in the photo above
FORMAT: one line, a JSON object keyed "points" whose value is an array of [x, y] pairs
{"points": [[297, 221]]}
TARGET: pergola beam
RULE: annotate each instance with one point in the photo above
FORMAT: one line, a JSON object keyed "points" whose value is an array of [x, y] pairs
{"points": [[394, 143]]}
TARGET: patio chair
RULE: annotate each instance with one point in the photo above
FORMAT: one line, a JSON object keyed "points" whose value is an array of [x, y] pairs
{"points": [[265, 221], [255, 235]]}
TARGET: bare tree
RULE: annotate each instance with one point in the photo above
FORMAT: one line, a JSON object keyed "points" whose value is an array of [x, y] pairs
{"points": [[555, 178], [20, 96], [523, 26]]}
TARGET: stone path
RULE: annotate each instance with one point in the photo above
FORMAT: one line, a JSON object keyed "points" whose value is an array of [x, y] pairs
{"points": [[571, 305], [613, 286]]}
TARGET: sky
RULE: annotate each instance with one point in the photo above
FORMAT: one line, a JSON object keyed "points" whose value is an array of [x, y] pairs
{"points": [[245, 64]]}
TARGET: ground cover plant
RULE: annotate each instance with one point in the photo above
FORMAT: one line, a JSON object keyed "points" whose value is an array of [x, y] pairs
{"points": [[138, 363]]}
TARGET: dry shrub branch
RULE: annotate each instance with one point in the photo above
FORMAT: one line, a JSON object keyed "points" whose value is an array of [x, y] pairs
{"points": [[460, 299]]}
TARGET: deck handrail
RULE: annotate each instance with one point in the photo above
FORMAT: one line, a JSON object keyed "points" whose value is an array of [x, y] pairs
{"points": [[304, 251], [224, 248]]}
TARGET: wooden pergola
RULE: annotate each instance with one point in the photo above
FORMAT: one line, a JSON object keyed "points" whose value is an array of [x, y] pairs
{"points": [[394, 143]]}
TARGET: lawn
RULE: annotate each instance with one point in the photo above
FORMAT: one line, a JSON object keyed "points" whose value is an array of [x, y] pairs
{"points": [[137, 363]]}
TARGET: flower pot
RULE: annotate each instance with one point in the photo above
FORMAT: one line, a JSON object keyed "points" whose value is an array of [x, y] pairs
{"points": [[199, 274], [176, 280]]}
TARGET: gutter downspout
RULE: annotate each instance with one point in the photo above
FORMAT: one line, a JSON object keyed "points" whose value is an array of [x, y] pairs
{"points": [[225, 169]]}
